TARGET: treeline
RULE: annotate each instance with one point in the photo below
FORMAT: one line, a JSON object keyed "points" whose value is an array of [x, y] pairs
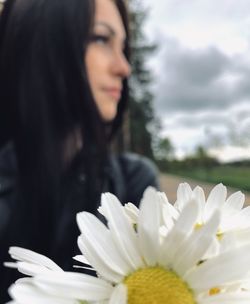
{"points": [[200, 159], [202, 167]]}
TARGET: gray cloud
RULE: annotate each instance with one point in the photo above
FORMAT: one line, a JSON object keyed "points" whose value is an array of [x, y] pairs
{"points": [[199, 79], [205, 89], [193, 66], [205, 119]]}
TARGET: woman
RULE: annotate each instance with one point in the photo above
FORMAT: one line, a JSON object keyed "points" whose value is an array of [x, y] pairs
{"points": [[63, 91]]}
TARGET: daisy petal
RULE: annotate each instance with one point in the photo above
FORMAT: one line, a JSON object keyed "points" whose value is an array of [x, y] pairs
{"points": [[228, 298], [243, 218], [98, 264], [24, 293], [149, 225], [236, 200], [215, 200], [172, 210], [32, 257], [169, 213], [195, 246], [71, 285], [234, 239], [199, 196], [184, 195], [29, 269], [82, 259], [101, 241], [119, 295], [132, 212], [123, 233], [226, 267], [183, 227]]}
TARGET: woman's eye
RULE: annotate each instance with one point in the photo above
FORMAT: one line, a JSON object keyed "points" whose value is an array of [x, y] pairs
{"points": [[101, 39]]}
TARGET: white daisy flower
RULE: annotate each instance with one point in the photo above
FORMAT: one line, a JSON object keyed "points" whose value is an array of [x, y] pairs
{"points": [[216, 199], [234, 216], [137, 266], [169, 213], [234, 226]]}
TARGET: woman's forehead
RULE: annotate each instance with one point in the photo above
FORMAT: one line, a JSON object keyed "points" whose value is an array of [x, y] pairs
{"points": [[107, 15]]}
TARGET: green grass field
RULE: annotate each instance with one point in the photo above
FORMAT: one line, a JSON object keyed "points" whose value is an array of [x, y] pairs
{"points": [[237, 177]]}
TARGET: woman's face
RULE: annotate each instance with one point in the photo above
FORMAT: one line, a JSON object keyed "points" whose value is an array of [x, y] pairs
{"points": [[105, 61]]}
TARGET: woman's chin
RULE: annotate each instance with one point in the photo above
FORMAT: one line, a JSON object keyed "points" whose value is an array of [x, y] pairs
{"points": [[108, 116]]}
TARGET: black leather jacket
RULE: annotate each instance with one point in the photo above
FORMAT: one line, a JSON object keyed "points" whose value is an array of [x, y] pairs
{"points": [[127, 177]]}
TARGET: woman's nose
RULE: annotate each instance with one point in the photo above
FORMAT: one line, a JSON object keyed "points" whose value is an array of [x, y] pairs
{"points": [[121, 65]]}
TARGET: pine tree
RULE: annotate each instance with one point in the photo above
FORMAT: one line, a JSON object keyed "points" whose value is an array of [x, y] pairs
{"points": [[141, 113]]}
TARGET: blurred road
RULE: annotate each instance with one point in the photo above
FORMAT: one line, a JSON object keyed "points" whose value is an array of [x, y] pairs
{"points": [[169, 184]]}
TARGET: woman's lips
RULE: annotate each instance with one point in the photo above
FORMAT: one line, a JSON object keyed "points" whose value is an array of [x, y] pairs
{"points": [[115, 93]]}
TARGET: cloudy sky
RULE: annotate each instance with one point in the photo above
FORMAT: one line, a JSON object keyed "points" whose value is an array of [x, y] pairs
{"points": [[202, 68]]}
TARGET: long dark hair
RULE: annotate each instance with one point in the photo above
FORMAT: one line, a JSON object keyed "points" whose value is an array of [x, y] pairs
{"points": [[45, 94]]}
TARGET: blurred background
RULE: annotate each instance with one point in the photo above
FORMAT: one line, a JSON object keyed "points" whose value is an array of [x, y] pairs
{"points": [[191, 88]]}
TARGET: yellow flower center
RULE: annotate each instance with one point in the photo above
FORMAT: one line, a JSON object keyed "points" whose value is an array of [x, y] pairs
{"points": [[156, 285]]}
